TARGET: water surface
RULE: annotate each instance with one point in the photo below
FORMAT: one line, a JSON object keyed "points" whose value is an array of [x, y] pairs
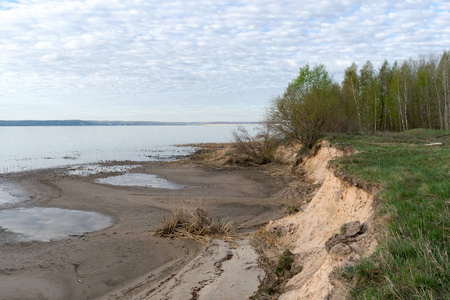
{"points": [[139, 179], [27, 148], [6, 197], [11, 193], [49, 223]]}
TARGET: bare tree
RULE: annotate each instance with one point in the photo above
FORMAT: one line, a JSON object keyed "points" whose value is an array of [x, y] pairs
{"points": [[259, 149]]}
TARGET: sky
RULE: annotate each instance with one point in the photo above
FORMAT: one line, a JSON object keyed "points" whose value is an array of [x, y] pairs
{"points": [[205, 60]]}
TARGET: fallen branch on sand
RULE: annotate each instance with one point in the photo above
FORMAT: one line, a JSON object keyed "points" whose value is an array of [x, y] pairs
{"points": [[197, 225]]}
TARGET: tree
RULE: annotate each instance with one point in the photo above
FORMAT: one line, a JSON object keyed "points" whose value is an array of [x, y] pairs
{"points": [[426, 97], [259, 149], [301, 112], [383, 79], [350, 97], [443, 90], [368, 96], [401, 87]]}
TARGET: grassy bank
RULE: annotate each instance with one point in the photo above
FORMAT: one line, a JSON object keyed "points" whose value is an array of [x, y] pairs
{"points": [[412, 259]]}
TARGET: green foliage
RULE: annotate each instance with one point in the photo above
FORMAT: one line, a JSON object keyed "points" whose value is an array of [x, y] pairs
{"points": [[301, 112], [443, 90], [349, 102], [411, 94], [291, 209], [269, 290], [284, 263], [412, 262]]}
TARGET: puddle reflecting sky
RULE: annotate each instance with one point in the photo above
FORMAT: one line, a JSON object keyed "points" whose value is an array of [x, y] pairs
{"points": [[11, 193], [6, 197], [48, 223], [139, 179]]}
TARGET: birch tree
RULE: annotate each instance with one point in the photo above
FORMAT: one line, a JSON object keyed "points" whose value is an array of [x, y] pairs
{"points": [[443, 90], [383, 79], [350, 95], [368, 96]]}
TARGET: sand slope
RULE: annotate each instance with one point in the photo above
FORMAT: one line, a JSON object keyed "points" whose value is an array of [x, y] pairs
{"points": [[306, 233]]}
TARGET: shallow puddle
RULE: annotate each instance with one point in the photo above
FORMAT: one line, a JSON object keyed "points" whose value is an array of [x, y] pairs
{"points": [[6, 197], [139, 179], [48, 223], [10, 194]]}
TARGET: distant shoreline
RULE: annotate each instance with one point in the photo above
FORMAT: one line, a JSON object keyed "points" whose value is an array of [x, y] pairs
{"points": [[112, 123]]}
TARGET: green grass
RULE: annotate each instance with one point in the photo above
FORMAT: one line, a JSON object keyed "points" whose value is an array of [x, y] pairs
{"points": [[284, 263], [412, 261]]}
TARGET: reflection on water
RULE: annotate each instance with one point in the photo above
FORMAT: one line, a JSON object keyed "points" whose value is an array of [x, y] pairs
{"points": [[86, 170], [139, 179], [10, 194], [6, 197], [48, 223]]}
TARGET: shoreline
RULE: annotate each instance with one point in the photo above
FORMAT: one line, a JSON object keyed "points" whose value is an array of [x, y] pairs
{"points": [[93, 264]]}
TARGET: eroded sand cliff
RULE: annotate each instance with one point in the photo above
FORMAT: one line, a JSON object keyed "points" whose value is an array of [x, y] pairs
{"points": [[333, 230]]}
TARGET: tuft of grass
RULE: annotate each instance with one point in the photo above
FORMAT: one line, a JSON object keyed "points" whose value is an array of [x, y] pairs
{"points": [[197, 224], [291, 209], [412, 262], [284, 264], [269, 290], [277, 275]]}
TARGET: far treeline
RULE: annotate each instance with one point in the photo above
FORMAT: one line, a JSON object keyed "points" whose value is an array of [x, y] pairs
{"points": [[411, 94]]}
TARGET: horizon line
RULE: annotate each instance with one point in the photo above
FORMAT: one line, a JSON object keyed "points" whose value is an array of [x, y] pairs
{"points": [[80, 122]]}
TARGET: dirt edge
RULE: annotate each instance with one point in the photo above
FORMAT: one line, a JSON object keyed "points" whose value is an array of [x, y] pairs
{"points": [[332, 231]]}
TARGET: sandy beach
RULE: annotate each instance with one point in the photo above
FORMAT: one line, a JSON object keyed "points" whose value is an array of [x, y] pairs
{"points": [[91, 265]]}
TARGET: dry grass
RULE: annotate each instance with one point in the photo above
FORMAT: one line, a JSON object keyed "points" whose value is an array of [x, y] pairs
{"points": [[198, 225], [216, 156], [268, 238]]}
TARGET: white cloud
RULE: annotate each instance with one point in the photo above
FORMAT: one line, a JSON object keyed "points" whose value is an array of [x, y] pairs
{"points": [[188, 56]]}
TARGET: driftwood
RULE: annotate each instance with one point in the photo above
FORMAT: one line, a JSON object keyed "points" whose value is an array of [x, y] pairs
{"points": [[435, 144]]}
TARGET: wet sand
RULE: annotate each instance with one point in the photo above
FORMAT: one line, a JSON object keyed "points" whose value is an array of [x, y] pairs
{"points": [[90, 265]]}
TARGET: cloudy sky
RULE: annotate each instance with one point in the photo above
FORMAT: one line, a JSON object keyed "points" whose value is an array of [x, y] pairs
{"points": [[203, 60]]}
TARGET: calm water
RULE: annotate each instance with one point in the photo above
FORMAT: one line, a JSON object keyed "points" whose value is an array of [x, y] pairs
{"points": [[7, 197], [27, 148], [138, 179], [11, 193], [49, 223]]}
